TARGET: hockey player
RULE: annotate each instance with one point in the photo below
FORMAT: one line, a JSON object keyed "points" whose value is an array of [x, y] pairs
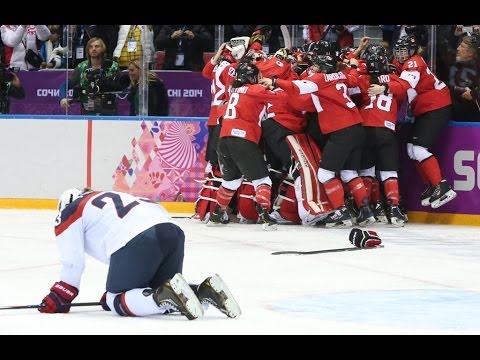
{"points": [[338, 118], [144, 249], [238, 150], [431, 105], [221, 71], [379, 113]]}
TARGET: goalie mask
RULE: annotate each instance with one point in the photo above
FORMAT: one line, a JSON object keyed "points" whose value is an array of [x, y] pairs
{"points": [[236, 47], [285, 55], [67, 197]]}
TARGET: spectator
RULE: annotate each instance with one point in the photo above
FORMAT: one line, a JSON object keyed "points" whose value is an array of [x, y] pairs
{"points": [[93, 81], [52, 51], [157, 92], [77, 36], [463, 80], [133, 42], [10, 86], [184, 46], [18, 39]]}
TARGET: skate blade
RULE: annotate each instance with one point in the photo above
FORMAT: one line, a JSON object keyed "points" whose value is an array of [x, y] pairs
{"points": [[231, 305], [187, 296], [340, 225], [449, 196], [382, 219], [398, 222], [426, 202], [268, 227], [368, 221]]}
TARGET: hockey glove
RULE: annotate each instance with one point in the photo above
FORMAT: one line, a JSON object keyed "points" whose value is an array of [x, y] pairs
{"points": [[60, 297], [364, 238]]}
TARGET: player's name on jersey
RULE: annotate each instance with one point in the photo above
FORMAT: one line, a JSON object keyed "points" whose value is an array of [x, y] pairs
{"points": [[334, 76], [241, 89]]}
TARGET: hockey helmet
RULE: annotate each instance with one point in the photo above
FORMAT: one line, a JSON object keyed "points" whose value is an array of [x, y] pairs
{"points": [[247, 73], [406, 47], [67, 197], [325, 63]]}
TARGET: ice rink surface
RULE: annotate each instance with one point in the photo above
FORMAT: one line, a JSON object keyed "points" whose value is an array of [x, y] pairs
{"points": [[424, 281]]}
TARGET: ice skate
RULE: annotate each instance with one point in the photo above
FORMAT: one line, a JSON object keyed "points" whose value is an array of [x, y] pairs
{"points": [[214, 291], [365, 216], [379, 212], [268, 222], [442, 194], [397, 219], [339, 218], [218, 217], [176, 294], [426, 194]]}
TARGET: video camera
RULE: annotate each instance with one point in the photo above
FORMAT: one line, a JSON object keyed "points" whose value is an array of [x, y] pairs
{"points": [[7, 74]]}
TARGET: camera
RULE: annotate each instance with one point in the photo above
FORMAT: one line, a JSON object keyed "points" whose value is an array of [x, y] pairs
{"points": [[7, 74]]}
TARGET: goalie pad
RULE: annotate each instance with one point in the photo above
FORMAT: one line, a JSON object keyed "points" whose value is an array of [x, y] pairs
{"points": [[207, 196], [307, 158], [246, 210], [288, 208]]}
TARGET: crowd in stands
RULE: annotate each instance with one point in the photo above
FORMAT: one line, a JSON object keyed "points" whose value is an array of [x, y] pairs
{"points": [[189, 47]]}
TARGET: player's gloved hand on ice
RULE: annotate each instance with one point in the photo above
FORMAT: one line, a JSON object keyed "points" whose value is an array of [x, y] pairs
{"points": [[364, 238], [103, 302], [60, 298]]}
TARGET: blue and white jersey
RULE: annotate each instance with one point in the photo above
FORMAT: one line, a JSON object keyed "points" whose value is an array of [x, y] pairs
{"points": [[98, 224]]}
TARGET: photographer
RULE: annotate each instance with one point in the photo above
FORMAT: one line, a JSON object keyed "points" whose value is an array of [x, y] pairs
{"points": [[9, 87], [95, 82]]}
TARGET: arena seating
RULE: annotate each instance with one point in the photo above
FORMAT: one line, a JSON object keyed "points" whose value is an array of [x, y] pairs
{"points": [[160, 56]]}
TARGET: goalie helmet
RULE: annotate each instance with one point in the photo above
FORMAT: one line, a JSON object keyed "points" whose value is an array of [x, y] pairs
{"points": [[67, 197], [406, 47], [236, 48], [285, 54]]}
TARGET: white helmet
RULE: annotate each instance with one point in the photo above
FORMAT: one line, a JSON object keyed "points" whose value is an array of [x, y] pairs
{"points": [[238, 46], [67, 197]]}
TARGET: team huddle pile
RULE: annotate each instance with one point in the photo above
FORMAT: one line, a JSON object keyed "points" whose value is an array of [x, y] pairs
{"points": [[308, 135]]}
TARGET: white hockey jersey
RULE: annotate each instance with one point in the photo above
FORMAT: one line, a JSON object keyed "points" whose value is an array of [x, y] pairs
{"points": [[98, 224]]}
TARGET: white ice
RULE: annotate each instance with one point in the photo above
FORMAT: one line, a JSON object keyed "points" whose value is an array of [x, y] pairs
{"points": [[424, 281]]}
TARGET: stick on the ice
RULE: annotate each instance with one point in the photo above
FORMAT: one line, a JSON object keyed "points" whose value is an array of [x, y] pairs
{"points": [[38, 306], [323, 251]]}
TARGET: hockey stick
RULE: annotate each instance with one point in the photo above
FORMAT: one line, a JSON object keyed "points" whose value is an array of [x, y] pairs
{"points": [[286, 36], [38, 306], [323, 251]]}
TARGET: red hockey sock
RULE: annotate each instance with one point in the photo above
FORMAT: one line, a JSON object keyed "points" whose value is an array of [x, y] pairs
{"points": [[335, 193], [263, 194], [391, 191], [224, 196], [368, 181], [375, 193], [431, 170], [358, 191]]}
